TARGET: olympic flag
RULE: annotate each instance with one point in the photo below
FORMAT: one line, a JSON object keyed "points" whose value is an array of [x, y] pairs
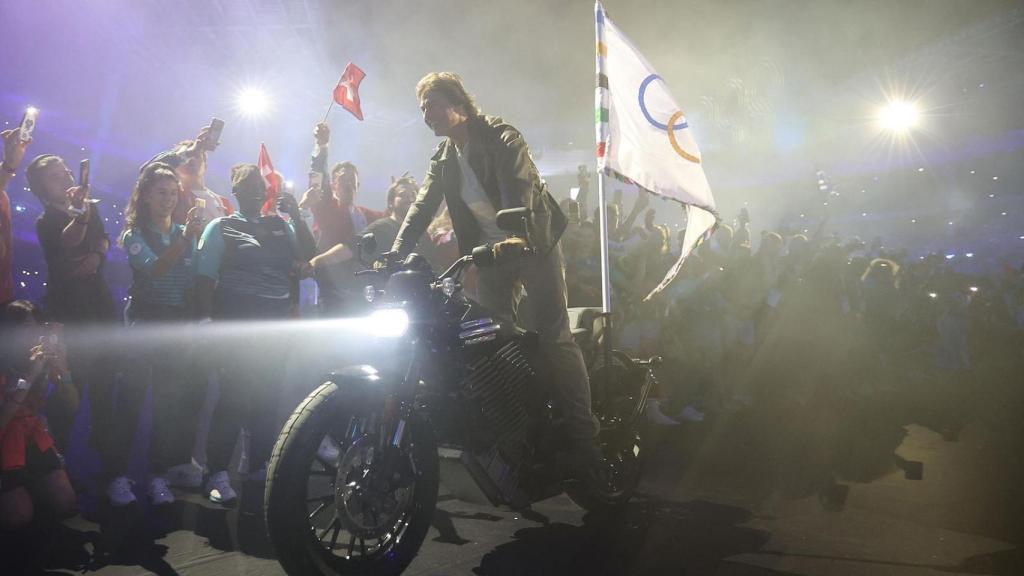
{"points": [[643, 136]]}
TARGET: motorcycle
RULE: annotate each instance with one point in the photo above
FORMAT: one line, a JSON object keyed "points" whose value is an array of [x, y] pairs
{"points": [[465, 391]]}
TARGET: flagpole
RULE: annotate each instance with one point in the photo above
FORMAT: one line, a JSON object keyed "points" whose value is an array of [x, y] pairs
{"points": [[606, 283], [606, 276], [328, 111], [602, 141]]}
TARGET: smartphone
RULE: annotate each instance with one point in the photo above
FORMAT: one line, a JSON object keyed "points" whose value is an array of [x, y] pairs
{"points": [[316, 180], [574, 193], [28, 123], [216, 129], [83, 172]]}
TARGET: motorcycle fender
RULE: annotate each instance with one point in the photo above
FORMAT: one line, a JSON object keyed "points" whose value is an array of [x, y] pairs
{"points": [[359, 384]]}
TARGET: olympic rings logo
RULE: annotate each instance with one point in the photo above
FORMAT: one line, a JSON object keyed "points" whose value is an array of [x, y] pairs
{"points": [[669, 128]]}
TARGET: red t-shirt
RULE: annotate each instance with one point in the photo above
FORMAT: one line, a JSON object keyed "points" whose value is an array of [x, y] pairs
{"points": [[7, 245], [24, 427], [334, 224]]}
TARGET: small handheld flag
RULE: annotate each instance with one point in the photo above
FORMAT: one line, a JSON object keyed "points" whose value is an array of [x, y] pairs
{"points": [[270, 179], [346, 93]]}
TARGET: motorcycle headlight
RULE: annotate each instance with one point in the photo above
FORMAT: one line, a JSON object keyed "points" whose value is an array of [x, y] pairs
{"points": [[388, 323]]}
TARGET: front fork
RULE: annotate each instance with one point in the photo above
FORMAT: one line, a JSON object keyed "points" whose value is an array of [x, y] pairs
{"points": [[394, 422], [398, 407]]}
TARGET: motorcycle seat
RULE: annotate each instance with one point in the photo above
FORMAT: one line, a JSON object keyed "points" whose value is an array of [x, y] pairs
{"points": [[584, 317], [584, 323]]}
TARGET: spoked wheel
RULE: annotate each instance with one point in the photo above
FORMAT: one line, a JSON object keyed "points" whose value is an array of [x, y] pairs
{"points": [[618, 394], [624, 455], [363, 510]]}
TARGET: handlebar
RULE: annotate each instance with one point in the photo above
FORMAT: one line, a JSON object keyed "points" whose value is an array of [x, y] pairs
{"points": [[482, 256]]}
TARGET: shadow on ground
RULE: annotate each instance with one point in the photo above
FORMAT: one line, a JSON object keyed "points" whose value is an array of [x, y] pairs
{"points": [[650, 536]]}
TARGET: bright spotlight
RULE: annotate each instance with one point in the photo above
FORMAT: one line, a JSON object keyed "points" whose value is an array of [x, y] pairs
{"points": [[899, 116], [382, 323], [252, 102]]}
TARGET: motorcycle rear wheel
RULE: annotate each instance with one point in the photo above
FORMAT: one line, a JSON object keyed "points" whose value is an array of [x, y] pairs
{"points": [[322, 521], [624, 453], [617, 391]]}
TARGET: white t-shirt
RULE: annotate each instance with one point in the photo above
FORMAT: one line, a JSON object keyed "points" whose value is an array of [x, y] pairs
{"points": [[479, 204]]}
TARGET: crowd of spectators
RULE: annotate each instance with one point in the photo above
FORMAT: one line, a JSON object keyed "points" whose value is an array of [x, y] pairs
{"points": [[814, 334], [196, 259], [778, 320]]}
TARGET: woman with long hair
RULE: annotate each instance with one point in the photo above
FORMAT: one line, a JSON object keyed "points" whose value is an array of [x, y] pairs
{"points": [[161, 256]]}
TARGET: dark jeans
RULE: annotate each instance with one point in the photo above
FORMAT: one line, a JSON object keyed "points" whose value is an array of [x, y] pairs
{"points": [[84, 307], [251, 372], [94, 372], [160, 366], [500, 289]]}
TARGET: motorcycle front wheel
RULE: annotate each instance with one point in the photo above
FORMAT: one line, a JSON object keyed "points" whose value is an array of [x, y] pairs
{"points": [[360, 506]]}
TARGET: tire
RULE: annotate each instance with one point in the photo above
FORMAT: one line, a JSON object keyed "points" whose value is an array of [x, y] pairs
{"points": [[296, 470], [622, 447], [625, 454]]}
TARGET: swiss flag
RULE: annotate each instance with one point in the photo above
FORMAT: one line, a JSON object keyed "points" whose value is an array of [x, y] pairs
{"points": [[346, 93], [270, 179]]}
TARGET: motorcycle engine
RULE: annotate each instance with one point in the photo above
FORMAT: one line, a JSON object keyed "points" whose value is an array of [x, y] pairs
{"points": [[497, 387]]}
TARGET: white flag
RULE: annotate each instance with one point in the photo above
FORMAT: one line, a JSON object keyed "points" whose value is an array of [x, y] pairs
{"points": [[643, 136]]}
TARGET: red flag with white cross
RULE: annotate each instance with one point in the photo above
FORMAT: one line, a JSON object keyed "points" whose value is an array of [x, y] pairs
{"points": [[346, 93], [270, 179]]}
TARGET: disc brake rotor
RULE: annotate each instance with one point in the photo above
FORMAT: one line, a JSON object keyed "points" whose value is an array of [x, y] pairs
{"points": [[367, 507]]}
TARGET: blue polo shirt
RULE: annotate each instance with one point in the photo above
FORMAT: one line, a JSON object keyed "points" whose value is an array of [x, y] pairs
{"points": [[169, 289], [249, 256]]}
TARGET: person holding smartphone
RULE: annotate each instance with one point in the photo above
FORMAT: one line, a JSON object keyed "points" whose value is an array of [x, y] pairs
{"points": [[337, 222], [14, 152], [188, 159], [74, 243], [162, 258], [32, 476]]}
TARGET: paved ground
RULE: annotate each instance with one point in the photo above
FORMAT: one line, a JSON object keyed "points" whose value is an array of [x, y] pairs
{"points": [[958, 519]]}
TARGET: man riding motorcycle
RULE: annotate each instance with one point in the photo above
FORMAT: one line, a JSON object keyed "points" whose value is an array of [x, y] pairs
{"points": [[482, 166]]}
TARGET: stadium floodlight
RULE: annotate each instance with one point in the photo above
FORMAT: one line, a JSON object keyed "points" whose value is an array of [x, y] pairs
{"points": [[899, 116], [253, 102]]}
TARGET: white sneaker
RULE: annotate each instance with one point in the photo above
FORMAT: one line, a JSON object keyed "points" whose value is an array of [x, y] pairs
{"points": [[185, 476], [160, 492], [120, 491], [219, 490], [656, 416], [328, 450]]}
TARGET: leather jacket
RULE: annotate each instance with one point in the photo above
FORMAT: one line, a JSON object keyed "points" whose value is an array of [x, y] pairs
{"points": [[502, 163]]}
